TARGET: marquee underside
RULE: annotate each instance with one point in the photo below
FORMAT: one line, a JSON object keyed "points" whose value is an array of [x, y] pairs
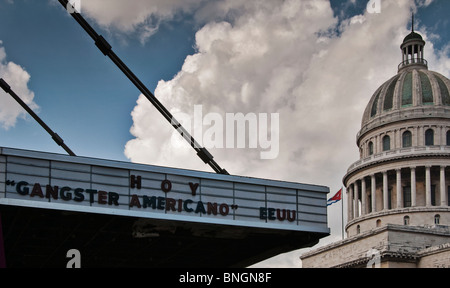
{"points": [[35, 237]]}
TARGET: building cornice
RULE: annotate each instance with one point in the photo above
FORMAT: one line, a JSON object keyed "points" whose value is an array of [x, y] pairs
{"points": [[408, 210], [396, 155], [413, 114]]}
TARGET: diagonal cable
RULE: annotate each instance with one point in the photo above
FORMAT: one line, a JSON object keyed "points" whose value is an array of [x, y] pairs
{"points": [[5, 86], [106, 49]]}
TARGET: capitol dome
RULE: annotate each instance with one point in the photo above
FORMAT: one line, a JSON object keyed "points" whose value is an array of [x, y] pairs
{"points": [[403, 174], [398, 192], [412, 93]]}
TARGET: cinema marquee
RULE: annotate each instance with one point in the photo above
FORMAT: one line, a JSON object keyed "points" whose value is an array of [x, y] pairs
{"points": [[120, 214]]}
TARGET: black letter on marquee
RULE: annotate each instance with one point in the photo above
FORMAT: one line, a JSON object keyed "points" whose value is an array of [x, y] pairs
{"points": [[263, 213], [23, 191], [91, 193], [166, 186], [135, 182], [113, 198], [193, 188]]}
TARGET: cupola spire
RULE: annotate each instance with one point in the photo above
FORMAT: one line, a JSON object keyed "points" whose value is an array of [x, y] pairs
{"points": [[412, 50]]}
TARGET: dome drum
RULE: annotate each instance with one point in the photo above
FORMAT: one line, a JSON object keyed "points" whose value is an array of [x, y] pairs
{"points": [[398, 190], [416, 135], [404, 117]]}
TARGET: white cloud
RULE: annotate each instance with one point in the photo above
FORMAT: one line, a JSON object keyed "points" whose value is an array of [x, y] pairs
{"points": [[137, 16], [17, 77], [273, 58], [280, 57], [424, 2]]}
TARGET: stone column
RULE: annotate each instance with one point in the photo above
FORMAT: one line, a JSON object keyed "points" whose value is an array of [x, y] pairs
{"points": [[413, 187], [427, 185], [363, 196], [356, 209], [415, 140], [373, 188], [399, 188], [421, 135], [443, 133], [398, 139], [377, 144], [350, 202], [438, 140], [385, 191], [442, 187]]}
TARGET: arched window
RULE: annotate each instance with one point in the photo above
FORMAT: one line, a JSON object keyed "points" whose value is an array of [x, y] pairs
{"points": [[358, 229], [429, 137], [386, 143], [406, 220], [378, 223], [448, 138], [371, 148], [407, 139], [437, 219]]}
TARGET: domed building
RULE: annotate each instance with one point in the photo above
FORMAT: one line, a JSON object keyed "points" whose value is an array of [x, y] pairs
{"points": [[398, 192]]}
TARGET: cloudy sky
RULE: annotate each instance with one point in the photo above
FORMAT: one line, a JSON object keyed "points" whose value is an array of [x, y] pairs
{"points": [[315, 64]]}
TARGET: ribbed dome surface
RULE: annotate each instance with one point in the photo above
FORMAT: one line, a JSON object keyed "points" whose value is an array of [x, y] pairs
{"points": [[416, 91]]}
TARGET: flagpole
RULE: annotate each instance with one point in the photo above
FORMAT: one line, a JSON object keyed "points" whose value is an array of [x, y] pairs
{"points": [[342, 212]]}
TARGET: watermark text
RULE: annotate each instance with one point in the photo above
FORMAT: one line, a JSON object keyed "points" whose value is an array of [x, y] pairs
{"points": [[235, 130]]}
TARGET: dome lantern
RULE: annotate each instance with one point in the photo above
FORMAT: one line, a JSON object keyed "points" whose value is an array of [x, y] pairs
{"points": [[412, 51]]}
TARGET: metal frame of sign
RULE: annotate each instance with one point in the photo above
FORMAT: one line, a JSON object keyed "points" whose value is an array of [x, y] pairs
{"points": [[80, 184]]}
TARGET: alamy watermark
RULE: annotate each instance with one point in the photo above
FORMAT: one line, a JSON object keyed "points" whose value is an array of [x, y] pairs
{"points": [[235, 130], [375, 258], [73, 6], [75, 258], [374, 6]]}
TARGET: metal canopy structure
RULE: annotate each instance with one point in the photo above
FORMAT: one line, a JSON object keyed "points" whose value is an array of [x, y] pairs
{"points": [[120, 214]]}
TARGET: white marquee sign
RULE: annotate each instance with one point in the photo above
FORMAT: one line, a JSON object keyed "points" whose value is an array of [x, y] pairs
{"points": [[53, 181]]}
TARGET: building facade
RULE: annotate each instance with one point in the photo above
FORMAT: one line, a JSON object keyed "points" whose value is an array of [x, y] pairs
{"points": [[398, 192]]}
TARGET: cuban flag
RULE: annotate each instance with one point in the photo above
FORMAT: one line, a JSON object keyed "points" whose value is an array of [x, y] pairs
{"points": [[336, 198]]}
